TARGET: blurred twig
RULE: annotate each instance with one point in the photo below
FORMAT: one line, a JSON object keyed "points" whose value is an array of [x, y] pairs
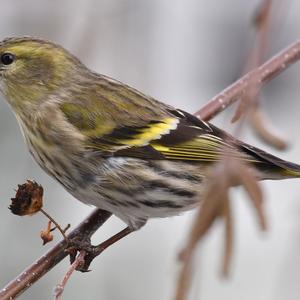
{"points": [[263, 127], [250, 102], [215, 204], [262, 75], [256, 56], [86, 229]]}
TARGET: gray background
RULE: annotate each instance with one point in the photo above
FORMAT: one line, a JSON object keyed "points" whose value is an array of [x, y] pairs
{"points": [[182, 52]]}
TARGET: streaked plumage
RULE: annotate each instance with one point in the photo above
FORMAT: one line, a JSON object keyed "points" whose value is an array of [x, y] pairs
{"points": [[108, 144]]}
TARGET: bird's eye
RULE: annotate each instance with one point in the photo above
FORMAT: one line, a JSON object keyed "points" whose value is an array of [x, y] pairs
{"points": [[7, 58]]}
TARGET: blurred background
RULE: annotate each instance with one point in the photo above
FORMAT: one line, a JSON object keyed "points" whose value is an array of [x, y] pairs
{"points": [[183, 53]]}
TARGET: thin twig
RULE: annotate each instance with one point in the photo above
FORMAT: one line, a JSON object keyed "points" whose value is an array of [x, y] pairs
{"points": [[59, 289], [62, 231]]}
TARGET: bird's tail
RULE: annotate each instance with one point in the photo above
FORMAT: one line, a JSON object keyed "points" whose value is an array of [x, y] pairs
{"points": [[271, 167]]}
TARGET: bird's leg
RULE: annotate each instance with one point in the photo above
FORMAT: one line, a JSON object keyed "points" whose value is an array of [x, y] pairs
{"points": [[83, 243], [94, 251]]}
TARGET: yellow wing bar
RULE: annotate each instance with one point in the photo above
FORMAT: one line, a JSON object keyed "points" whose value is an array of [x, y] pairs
{"points": [[151, 132]]}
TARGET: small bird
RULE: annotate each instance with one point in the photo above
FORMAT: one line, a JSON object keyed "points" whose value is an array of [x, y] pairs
{"points": [[110, 145]]}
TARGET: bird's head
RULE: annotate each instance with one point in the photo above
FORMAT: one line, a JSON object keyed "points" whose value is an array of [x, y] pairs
{"points": [[31, 69]]}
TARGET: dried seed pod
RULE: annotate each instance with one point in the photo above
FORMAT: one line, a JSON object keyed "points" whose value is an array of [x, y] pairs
{"points": [[28, 199]]}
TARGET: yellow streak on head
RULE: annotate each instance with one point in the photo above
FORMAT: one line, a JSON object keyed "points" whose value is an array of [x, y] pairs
{"points": [[39, 68], [31, 47]]}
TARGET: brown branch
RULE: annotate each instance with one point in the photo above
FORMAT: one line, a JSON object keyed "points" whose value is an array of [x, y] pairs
{"points": [[46, 262], [86, 229], [262, 74]]}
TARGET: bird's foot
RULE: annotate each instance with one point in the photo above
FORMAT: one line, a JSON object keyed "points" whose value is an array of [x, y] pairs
{"points": [[91, 252]]}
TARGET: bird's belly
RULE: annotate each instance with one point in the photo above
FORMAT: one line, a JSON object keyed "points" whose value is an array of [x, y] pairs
{"points": [[132, 189], [135, 190]]}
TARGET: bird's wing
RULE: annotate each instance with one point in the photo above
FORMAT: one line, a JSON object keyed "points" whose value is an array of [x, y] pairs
{"points": [[164, 134], [187, 139], [173, 135], [127, 123]]}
